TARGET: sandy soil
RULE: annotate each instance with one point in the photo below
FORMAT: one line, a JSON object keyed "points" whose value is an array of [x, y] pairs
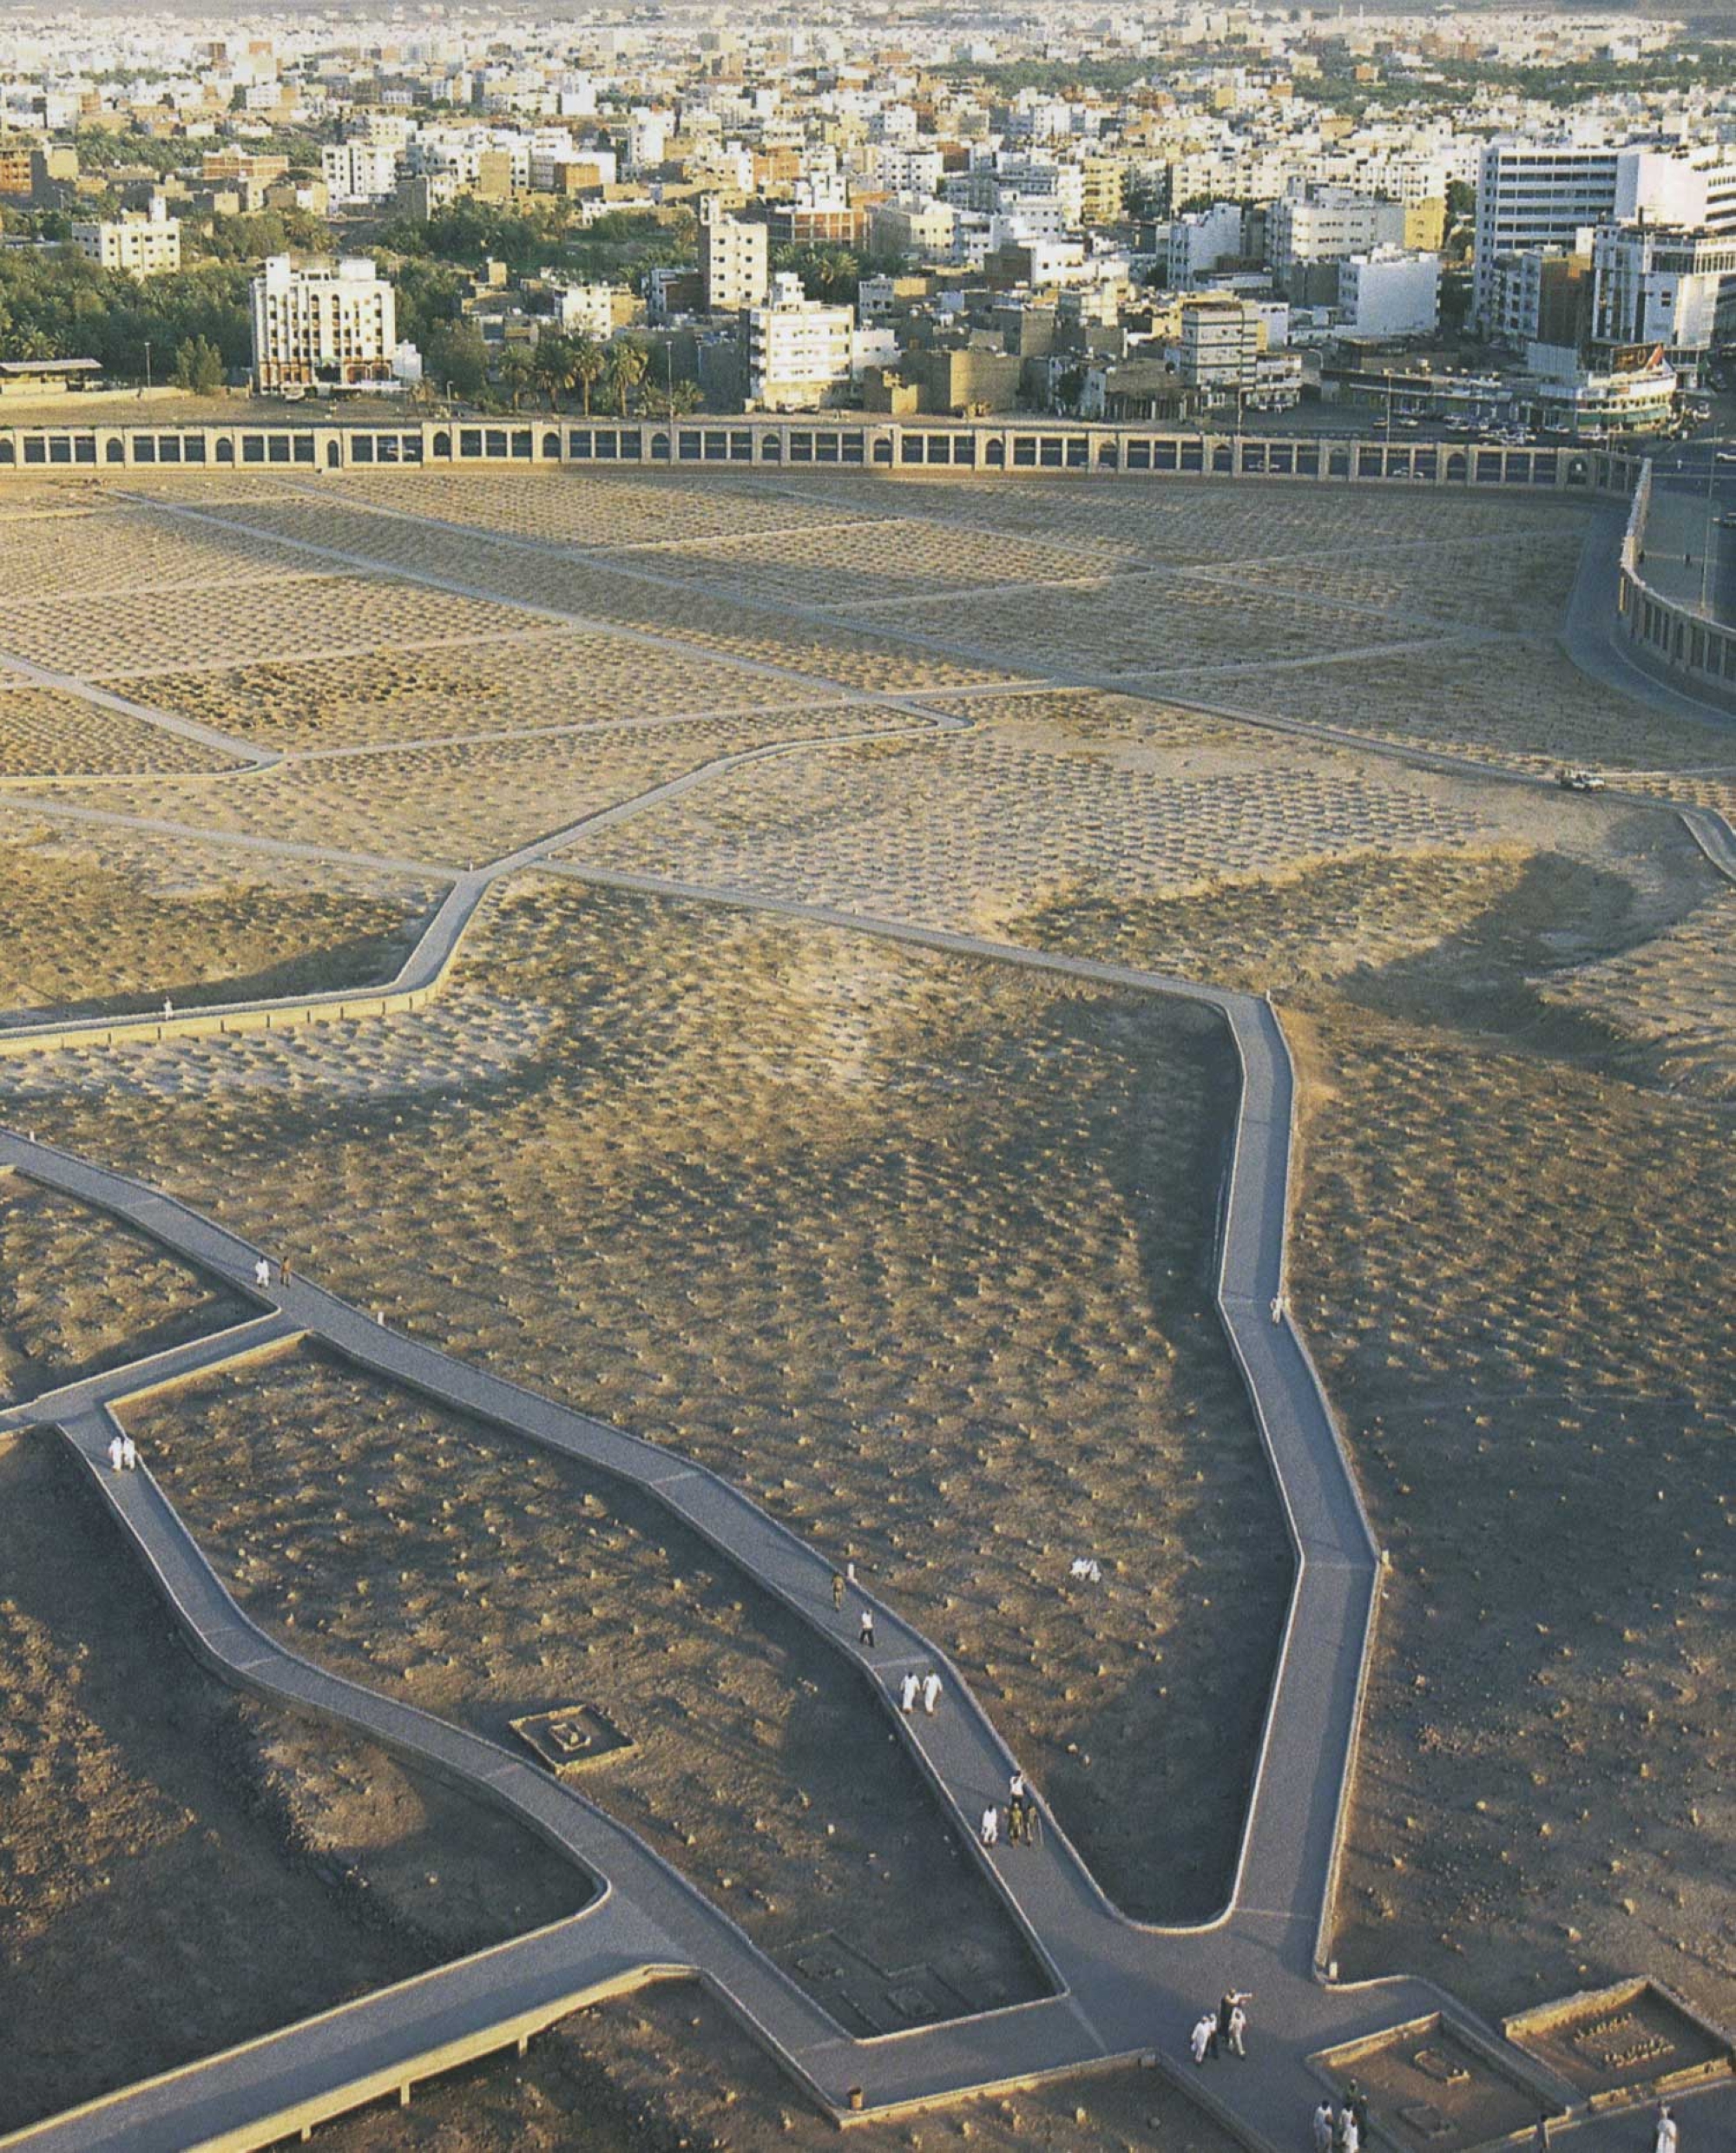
{"points": [[103, 927], [932, 1278], [1524, 1364], [556, 677], [46, 732], [80, 1292], [466, 802], [1037, 803], [154, 1829], [1517, 701], [667, 2070], [439, 1561]]}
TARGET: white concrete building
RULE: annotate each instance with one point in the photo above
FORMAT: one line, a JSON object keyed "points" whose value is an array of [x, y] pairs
{"points": [[585, 310], [735, 264], [799, 350], [1201, 241], [144, 245], [325, 325], [1391, 293], [1543, 194], [359, 171], [1328, 224], [1654, 285]]}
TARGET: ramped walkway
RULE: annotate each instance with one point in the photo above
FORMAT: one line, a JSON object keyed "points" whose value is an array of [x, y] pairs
{"points": [[1122, 1990]]}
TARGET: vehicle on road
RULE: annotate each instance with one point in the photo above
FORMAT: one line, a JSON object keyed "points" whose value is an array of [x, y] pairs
{"points": [[1579, 780]]}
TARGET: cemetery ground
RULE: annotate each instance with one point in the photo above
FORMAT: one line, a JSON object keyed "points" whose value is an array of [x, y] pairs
{"points": [[916, 1250]]}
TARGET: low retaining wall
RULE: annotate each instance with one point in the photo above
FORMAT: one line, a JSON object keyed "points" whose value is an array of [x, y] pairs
{"points": [[839, 441], [1675, 642]]}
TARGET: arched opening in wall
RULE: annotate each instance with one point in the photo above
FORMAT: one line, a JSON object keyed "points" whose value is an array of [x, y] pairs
{"points": [[226, 452], [997, 454], [1457, 466], [443, 444], [114, 452], [1576, 472], [334, 456], [551, 447]]}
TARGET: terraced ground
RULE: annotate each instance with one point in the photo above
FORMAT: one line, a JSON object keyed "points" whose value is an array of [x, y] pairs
{"points": [[916, 1250]]}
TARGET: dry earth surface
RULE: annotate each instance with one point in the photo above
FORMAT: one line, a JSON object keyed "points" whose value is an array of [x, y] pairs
{"points": [[919, 1250], [916, 1251], [106, 926], [80, 1291], [443, 1562], [155, 1831]]}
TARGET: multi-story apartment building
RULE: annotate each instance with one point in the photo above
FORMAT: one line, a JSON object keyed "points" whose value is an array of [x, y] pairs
{"points": [[323, 325], [735, 263], [1218, 350], [1202, 240], [1310, 224], [1544, 195], [799, 350], [1537, 296], [143, 244], [1391, 293], [359, 171], [1657, 285]]}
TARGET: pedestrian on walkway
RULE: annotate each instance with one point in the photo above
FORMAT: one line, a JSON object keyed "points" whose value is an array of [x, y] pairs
{"points": [[907, 1693], [1238, 2024], [930, 1692], [1203, 2040], [837, 1592], [1357, 2102], [1228, 2002], [1325, 2128], [866, 1635], [262, 1272], [129, 1453], [1015, 1786], [1665, 2139], [1015, 1820], [991, 1826], [117, 1452], [1350, 2132]]}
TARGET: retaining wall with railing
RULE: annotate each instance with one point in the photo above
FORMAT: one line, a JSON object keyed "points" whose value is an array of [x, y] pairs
{"points": [[1678, 642], [831, 440]]}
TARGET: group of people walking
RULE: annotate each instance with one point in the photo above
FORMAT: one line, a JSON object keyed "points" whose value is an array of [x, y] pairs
{"points": [[123, 1453], [1344, 2129], [1024, 1819], [1223, 2030]]}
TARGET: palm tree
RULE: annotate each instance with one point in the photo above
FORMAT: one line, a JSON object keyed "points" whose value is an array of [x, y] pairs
{"points": [[515, 373], [684, 397], [586, 365], [626, 364], [553, 366]]}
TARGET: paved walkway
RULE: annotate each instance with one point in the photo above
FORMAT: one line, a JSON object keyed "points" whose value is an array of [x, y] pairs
{"points": [[1122, 1989]]}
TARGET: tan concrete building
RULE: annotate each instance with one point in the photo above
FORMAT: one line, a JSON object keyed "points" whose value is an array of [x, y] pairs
{"points": [[144, 245], [322, 327]]}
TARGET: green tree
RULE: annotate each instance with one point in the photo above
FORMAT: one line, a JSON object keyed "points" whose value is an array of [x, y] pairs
{"points": [[199, 366], [553, 366], [626, 364], [516, 371], [589, 363], [455, 357]]}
